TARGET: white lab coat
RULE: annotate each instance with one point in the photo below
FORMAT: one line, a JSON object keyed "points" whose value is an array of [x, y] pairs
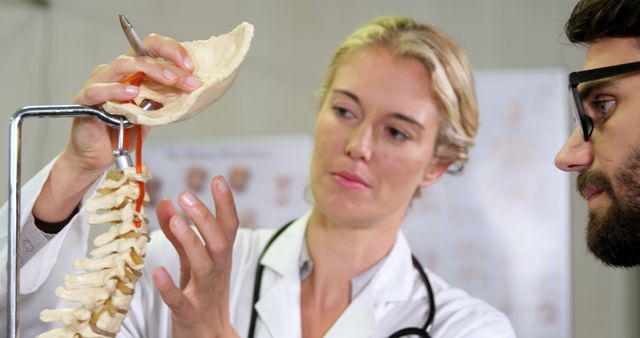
{"points": [[395, 297]]}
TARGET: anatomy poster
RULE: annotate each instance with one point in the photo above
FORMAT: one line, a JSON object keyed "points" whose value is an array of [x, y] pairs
{"points": [[499, 230], [268, 175]]}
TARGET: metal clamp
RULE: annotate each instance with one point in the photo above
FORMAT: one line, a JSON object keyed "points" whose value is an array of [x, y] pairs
{"points": [[122, 157]]}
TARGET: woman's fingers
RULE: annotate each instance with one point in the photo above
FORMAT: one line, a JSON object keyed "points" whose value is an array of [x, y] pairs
{"points": [[156, 69], [217, 241], [226, 212], [98, 93], [205, 298], [202, 266], [168, 65], [165, 210], [169, 49], [171, 295]]}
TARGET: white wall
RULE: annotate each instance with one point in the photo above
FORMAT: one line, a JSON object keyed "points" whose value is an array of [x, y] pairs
{"points": [[47, 53]]}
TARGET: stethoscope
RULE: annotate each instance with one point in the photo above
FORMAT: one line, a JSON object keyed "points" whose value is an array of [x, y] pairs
{"points": [[419, 331]]}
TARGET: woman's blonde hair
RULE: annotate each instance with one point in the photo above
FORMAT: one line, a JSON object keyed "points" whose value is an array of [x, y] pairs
{"points": [[449, 68]]}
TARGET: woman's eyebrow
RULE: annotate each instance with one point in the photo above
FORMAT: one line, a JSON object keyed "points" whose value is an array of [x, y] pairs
{"points": [[397, 115], [348, 93], [407, 118]]}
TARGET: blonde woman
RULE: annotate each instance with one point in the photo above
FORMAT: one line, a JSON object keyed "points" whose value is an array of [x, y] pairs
{"points": [[396, 111]]}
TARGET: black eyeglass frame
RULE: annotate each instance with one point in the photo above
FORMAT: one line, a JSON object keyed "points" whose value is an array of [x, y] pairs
{"points": [[576, 78]]}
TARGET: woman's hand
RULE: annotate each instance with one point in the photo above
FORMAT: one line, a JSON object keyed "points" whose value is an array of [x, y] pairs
{"points": [[200, 305], [92, 142], [90, 149]]}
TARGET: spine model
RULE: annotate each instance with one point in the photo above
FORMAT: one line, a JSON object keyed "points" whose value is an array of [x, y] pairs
{"points": [[105, 287]]}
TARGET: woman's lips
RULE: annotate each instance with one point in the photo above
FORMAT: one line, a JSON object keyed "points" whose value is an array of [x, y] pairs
{"points": [[591, 192], [349, 180]]}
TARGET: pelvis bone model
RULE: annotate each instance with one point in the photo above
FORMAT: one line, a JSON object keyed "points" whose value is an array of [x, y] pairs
{"points": [[105, 285], [216, 62]]}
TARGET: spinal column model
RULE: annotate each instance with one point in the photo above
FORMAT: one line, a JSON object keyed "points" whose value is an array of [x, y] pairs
{"points": [[105, 290], [105, 287]]}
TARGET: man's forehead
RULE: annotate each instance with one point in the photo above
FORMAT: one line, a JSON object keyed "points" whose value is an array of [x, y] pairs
{"points": [[611, 51]]}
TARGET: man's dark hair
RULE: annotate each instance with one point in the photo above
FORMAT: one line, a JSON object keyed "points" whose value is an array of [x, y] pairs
{"points": [[595, 19]]}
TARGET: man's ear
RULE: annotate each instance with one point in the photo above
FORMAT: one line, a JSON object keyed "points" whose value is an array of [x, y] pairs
{"points": [[433, 172]]}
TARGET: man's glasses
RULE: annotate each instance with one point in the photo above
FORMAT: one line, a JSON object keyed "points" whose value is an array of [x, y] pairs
{"points": [[575, 78]]}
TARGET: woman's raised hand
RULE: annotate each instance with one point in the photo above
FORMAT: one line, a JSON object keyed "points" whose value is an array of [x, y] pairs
{"points": [[200, 304], [92, 142]]}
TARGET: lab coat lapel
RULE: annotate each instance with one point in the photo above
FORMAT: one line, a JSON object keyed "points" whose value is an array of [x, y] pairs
{"points": [[279, 304], [392, 283], [279, 309], [358, 320]]}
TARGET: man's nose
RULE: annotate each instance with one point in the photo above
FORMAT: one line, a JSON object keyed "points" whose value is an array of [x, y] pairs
{"points": [[576, 154]]}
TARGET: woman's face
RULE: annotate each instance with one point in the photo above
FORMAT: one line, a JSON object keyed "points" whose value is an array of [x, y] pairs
{"points": [[375, 137]]}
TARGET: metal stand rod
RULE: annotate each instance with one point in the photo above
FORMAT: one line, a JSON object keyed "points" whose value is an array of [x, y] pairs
{"points": [[13, 287]]}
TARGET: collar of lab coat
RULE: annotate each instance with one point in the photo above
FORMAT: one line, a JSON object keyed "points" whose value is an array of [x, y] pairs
{"points": [[279, 307]]}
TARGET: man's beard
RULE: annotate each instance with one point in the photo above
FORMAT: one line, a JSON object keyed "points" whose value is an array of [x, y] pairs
{"points": [[614, 235]]}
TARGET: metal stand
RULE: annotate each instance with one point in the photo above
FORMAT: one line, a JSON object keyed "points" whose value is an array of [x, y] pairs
{"points": [[13, 288]]}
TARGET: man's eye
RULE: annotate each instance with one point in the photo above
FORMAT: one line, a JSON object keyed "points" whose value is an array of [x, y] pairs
{"points": [[604, 106]]}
